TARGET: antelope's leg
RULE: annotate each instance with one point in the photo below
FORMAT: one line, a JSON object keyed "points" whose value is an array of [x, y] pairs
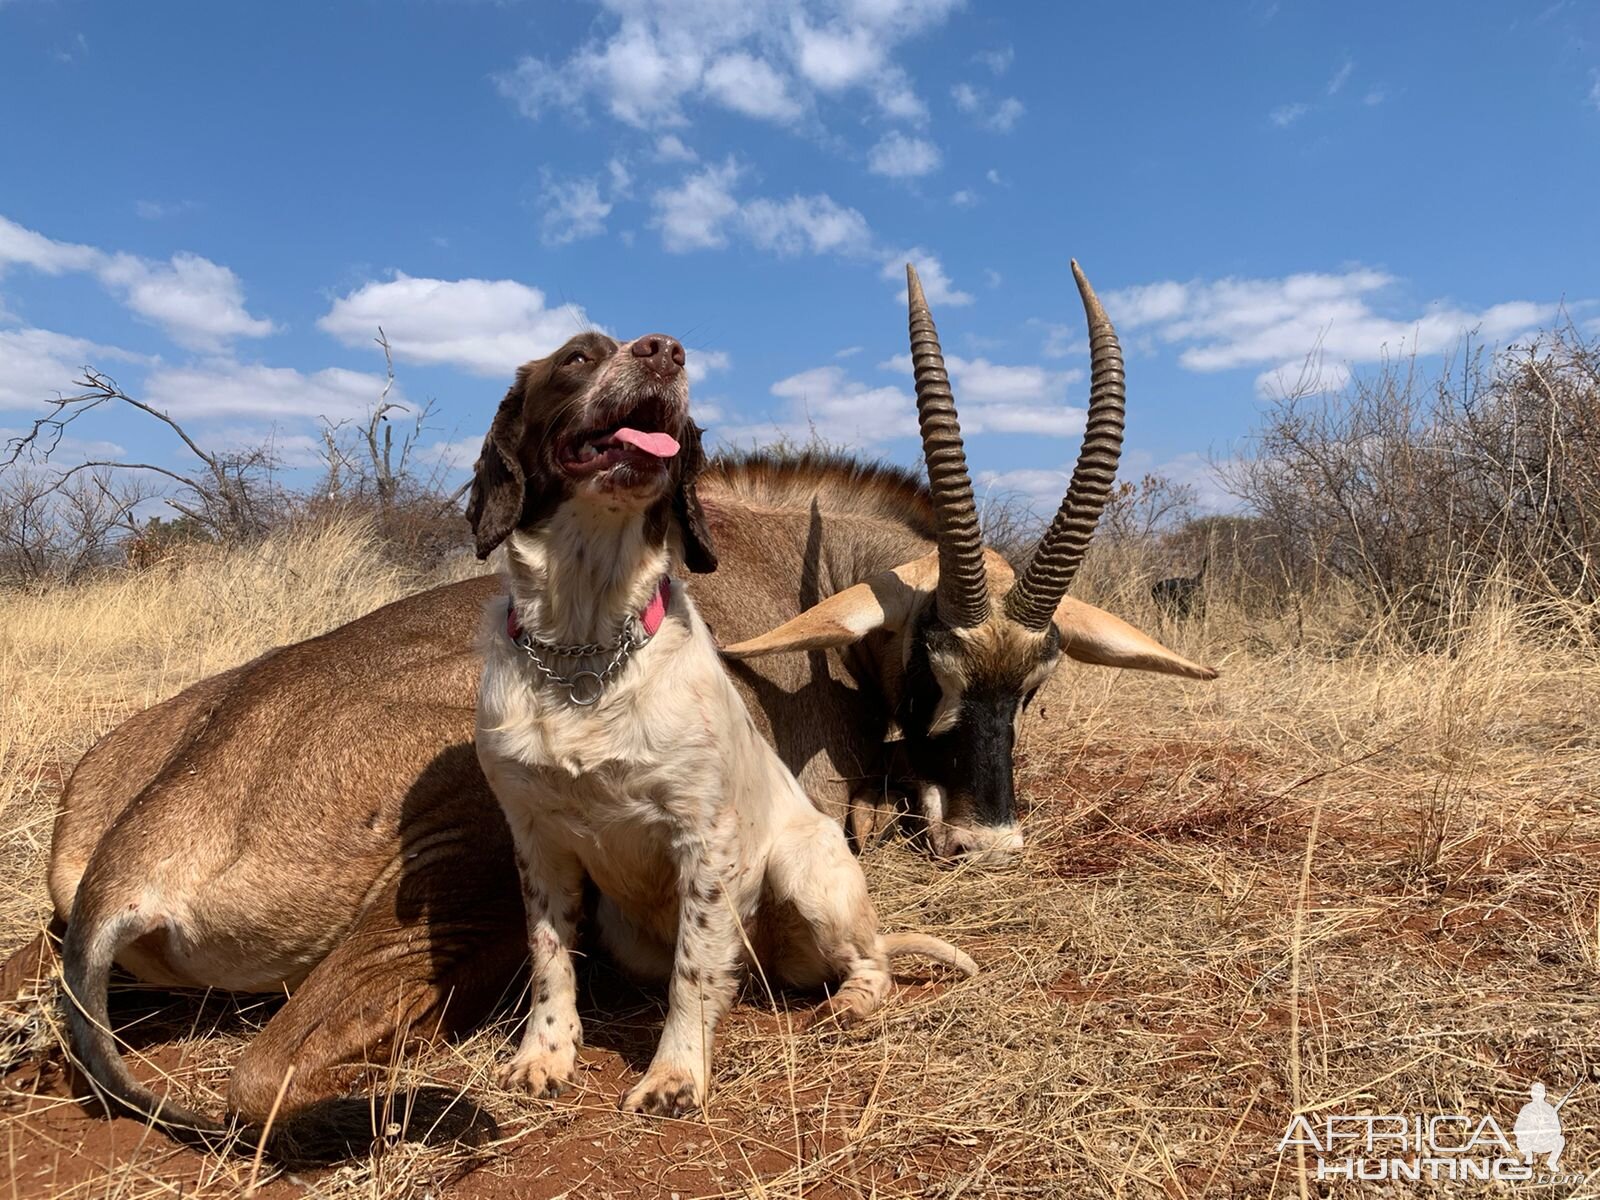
{"points": [[431, 956]]}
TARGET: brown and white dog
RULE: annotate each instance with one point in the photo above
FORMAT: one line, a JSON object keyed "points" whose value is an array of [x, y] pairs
{"points": [[617, 745]]}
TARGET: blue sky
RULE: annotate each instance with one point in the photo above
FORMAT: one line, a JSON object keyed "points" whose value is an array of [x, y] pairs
{"points": [[219, 204]]}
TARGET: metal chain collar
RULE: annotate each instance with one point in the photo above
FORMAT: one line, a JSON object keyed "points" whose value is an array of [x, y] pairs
{"points": [[583, 687]]}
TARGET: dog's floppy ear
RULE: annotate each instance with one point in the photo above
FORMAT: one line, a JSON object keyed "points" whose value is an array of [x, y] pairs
{"points": [[699, 555], [499, 483]]}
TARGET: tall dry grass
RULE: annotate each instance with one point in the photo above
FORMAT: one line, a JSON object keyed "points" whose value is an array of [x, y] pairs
{"points": [[1351, 875]]}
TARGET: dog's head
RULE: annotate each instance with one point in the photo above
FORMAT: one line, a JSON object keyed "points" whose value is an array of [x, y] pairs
{"points": [[599, 421]]}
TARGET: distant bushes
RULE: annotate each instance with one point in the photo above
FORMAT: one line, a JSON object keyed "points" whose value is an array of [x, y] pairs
{"points": [[1418, 493], [59, 524], [1406, 494]]}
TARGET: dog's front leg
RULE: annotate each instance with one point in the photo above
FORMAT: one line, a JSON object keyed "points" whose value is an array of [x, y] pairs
{"points": [[551, 891], [704, 979]]}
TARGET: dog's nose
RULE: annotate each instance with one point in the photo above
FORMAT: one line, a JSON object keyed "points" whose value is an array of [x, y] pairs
{"points": [[662, 354]]}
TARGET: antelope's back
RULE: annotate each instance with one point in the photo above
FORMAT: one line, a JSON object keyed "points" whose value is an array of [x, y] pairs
{"points": [[791, 530], [311, 756]]}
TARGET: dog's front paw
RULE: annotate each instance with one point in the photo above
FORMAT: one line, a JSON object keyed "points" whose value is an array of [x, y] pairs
{"points": [[545, 1073], [665, 1092]]}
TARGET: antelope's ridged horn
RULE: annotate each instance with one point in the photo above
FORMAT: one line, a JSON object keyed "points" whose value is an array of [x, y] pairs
{"points": [[963, 595], [1032, 602]]}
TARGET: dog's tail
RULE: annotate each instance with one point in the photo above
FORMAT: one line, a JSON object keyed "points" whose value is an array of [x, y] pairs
{"points": [[928, 946], [324, 1132]]}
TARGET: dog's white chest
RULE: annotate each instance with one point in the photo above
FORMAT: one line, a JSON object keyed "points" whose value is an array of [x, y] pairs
{"points": [[628, 754]]}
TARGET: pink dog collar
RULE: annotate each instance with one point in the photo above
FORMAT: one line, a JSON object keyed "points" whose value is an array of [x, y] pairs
{"points": [[656, 611], [650, 617]]}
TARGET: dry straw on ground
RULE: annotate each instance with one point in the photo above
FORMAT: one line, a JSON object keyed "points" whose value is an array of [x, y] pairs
{"points": [[1350, 876]]}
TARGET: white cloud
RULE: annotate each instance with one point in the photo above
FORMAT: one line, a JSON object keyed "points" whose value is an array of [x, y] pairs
{"points": [[1060, 340], [1594, 89], [998, 61], [1231, 323], [814, 224], [1341, 77], [750, 86], [897, 98], [902, 157], [1377, 95], [37, 364], [30, 249], [692, 215], [826, 401], [838, 57], [936, 285], [487, 326], [993, 176], [221, 387], [1286, 115], [991, 397], [701, 213], [1003, 398], [156, 210], [671, 149], [700, 363], [294, 450], [199, 303], [766, 59], [1041, 488], [574, 210], [456, 455], [1006, 114], [641, 77], [964, 198], [621, 178], [1000, 116], [68, 452]]}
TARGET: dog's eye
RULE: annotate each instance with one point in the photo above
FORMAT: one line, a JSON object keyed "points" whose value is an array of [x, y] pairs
{"points": [[576, 357]]}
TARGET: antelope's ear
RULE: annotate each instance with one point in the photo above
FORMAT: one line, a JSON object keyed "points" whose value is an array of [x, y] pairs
{"points": [[499, 481], [1092, 635], [699, 555], [886, 601]]}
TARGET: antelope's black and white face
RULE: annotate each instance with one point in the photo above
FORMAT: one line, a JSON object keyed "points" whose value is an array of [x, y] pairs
{"points": [[962, 695]]}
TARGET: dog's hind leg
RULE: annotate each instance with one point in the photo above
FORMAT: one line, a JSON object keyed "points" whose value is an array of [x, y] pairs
{"points": [[829, 933]]}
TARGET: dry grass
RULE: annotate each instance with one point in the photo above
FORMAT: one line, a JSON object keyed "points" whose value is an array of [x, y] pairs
{"points": [[1348, 877]]}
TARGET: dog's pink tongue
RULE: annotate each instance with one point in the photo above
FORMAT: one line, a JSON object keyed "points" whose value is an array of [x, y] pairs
{"points": [[662, 445]]}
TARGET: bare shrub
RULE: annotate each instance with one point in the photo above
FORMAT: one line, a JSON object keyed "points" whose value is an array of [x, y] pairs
{"points": [[59, 523], [231, 493], [1418, 493], [54, 530]]}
